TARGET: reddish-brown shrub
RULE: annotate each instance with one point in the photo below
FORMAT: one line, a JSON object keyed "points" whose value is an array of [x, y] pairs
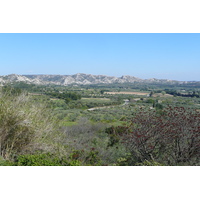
{"points": [[171, 138]]}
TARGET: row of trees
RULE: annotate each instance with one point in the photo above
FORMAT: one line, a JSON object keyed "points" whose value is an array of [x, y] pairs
{"points": [[67, 96], [189, 94]]}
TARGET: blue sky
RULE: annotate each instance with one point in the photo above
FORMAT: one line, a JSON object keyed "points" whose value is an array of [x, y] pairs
{"points": [[167, 56]]}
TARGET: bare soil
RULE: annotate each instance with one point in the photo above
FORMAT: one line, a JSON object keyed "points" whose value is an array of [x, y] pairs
{"points": [[136, 93]]}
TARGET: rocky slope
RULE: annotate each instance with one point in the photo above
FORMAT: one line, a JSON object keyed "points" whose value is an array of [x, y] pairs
{"points": [[79, 78]]}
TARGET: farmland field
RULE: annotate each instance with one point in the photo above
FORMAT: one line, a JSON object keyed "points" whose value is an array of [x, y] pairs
{"points": [[124, 92]]}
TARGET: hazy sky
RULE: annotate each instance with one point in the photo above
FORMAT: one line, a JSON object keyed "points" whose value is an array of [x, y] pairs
{"points": [[168, 56]]}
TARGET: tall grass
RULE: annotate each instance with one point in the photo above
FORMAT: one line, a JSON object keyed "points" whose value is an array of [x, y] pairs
{"points": [[25, 127]]}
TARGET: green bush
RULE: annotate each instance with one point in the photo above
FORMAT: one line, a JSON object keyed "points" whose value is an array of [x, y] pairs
{"points": [[149, 163], [38, 160], [4, 162], [93, 157], [48, 159], [45, 159]]}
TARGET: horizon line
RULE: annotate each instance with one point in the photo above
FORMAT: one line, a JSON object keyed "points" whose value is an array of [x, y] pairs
{"points": [[99, 75]]}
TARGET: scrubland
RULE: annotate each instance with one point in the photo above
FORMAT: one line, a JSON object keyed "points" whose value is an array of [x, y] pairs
{"points": [[56, 127]]}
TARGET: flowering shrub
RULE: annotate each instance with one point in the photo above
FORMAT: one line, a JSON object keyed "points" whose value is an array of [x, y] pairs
{"points": [[171, 137]]}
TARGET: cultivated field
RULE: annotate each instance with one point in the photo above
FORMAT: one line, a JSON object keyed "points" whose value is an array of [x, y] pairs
{"points": [[95, 99], [136, 93], [162, 95]]}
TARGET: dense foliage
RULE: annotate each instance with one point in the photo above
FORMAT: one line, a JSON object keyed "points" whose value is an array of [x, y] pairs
{"points": [[171, 137]]}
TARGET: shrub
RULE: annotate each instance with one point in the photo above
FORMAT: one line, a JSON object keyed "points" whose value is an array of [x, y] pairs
{"points": [[89, 144], [169, 138], [45, 159], [4, 162], [149, 163], [24, 126]]}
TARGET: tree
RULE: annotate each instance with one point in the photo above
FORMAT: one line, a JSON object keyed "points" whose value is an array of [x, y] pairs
{"points": [[67, 100], [151, 93], [163, 93]]}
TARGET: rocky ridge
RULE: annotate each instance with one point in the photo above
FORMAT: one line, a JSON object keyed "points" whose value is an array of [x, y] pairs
{"points": [[80, 79]]}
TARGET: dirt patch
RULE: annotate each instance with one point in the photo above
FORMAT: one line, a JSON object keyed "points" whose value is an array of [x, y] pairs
{"points": [[136, 93], [54, 99], [161, 95], [97, 99]]}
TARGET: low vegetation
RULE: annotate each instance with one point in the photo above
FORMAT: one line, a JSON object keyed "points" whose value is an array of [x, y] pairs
{"points": [[141, 126]]}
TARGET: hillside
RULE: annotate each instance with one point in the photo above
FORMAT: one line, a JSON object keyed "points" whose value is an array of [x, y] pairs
{"points": [[80, 79]]}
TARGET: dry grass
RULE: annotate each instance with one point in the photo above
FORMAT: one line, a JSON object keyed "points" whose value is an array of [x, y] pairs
{"points": [[161, 95], [136, 93], [106, 99], [24, 126]]}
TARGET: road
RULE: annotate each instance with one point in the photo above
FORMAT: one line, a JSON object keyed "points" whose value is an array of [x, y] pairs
{"points": [[126, 102]]}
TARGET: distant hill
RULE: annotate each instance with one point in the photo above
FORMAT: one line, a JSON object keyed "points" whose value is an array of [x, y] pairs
{"points": [[80, 78]]}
